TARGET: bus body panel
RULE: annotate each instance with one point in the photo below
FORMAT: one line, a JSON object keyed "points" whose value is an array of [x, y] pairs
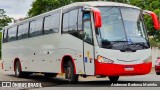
{"points": [[69, 45], [125, 63], [124, 57], [44, 55], [106, 69]]}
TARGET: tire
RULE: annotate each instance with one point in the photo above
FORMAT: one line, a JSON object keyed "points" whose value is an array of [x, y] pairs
{"points": [[69, 73], [158, 73], [18, 71], [50, 74], [113, 78]]}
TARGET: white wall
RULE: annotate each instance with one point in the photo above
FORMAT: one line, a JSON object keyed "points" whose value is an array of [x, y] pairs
{"points": [[155, 54]]}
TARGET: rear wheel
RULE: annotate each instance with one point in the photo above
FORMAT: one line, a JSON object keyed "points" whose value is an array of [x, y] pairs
{"points": [[18, 71], [50, 74], [69, 73], [113, 78]]}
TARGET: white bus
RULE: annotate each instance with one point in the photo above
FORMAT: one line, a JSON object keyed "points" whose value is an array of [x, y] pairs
{"points": [[80, 39]]}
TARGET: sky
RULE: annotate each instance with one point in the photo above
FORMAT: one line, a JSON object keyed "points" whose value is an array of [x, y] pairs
{"points": [[16, 8]]}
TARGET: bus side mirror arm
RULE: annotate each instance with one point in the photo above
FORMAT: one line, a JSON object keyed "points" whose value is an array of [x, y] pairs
{"points": [[97, 17], [154, 18], [96, 14]]}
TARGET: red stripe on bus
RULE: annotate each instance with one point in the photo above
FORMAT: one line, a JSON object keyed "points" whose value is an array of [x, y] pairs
{"points": [[121, 70]]}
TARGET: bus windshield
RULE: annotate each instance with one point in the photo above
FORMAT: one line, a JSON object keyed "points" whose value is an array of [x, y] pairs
{"points": [[122, 28]]}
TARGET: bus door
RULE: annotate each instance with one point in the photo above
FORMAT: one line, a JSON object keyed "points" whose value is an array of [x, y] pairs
{"points": [[88, 54]]}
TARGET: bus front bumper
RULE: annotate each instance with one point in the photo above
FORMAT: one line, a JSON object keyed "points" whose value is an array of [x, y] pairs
{"points": [[122, 70]]}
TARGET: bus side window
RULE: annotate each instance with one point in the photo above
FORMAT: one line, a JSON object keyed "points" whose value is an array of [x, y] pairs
{"points": [[72, 23], [72, 27], [65, 22], [12, 32], [77, 22], [4, 35], [20, 31], [47, 25], [23, 31], [80, 29], [38, 27], [80, 19], [55, 20], [3, 31], [32, 28], [87, 28]]}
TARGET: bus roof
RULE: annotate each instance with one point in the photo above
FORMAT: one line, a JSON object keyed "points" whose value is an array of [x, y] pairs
{"points": [[100, 3], [90, 3]]}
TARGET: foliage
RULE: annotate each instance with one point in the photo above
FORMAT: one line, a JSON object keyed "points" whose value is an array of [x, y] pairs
{"points": [[154, 43], [0, 44], [42, 6], [4, 19]]}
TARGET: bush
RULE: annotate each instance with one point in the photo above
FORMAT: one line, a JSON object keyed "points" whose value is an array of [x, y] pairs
{"points": [[154, 43], [0, 43]]}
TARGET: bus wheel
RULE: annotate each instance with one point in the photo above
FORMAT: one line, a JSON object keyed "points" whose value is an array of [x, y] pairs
{"points": [[18, 72], [158, 73], [113, 78], [69, 73], [50, 74]]}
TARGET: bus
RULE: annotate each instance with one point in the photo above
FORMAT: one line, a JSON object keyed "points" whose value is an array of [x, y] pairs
{"points": [[95, 38]]}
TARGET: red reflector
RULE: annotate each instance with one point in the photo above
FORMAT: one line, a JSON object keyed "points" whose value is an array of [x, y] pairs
{"points": [[2, 65]]}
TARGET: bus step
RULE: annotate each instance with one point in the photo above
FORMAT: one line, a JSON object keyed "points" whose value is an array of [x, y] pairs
{"points": [[99, 76]]}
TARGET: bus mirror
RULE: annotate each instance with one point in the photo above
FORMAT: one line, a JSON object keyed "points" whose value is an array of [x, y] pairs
{"points": [[97, 17], [154, 18]]}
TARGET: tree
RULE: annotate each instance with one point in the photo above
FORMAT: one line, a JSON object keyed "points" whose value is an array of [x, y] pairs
{"points": [[0, 45], [4, 19], [42, 6]]}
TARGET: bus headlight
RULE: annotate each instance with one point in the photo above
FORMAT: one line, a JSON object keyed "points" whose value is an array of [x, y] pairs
{"points": [[104, 60], [149, 59]]}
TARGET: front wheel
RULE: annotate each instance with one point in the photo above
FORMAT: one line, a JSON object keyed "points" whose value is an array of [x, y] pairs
{"points": [[158, 73], [69, 73], [50, 74], [113, 78]]}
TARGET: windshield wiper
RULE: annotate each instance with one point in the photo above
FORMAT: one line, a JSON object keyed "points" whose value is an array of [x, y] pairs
{"points": [[139, 44], [109, 44]]}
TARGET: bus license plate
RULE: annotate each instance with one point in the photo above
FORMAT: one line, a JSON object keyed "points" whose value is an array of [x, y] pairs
{"points": [[129, 68]]}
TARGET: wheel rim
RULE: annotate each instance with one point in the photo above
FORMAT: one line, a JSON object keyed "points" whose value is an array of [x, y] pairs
{"points": [[17, 70], [69, 73]]}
